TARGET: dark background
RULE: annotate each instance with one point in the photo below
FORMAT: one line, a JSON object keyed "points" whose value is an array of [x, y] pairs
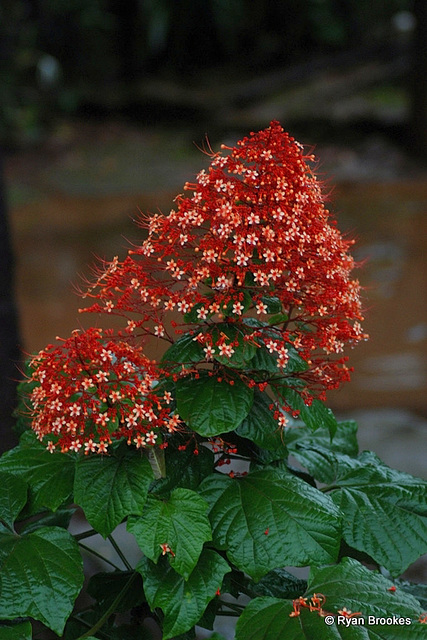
{"points": [[200, 60]]}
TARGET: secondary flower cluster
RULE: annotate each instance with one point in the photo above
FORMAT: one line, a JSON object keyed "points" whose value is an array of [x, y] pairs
{"points": [[92, 390], [252, 240]]}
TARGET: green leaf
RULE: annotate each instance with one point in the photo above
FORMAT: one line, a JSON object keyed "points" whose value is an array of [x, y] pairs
{"points": [[109, 488], [278, 318], [315, 416], [184, 469], [59, 518], [13, 497], [419, 591], [191, 317], [184, 351], [49, 475], [20, 631], [261, 427], [313, 450], [343, 441], [295, 363], [181, 522], [244, 350], [210, 407], [385, 511], [263, 360], [41, 576], [280, 584], [245, 300], [273, 304], [269, 519], [182, 602], [347, 585]]}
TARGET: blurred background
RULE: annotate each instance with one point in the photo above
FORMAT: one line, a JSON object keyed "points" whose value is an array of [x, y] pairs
{"points": [[105, 105]]}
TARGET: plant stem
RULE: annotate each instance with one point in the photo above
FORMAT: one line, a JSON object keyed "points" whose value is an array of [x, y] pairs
{"points": [[88, 625], [235, 607], [85, 534], [111, 609], [120, 553], [231, 614]]}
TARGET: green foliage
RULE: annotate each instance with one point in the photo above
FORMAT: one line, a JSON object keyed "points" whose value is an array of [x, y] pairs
{"points": [[180, 522], [12, 498], [314, 415], [211, 407], [348, 585], [41, 576], [109, 489], [50, 478], [182, 601], [270, 519], [260, 427], [184, 351], [205, 533], [20, 631]]}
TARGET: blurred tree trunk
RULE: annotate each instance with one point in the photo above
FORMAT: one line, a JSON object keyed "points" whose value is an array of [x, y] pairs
{"points": [[10, 354], [419, 82]]}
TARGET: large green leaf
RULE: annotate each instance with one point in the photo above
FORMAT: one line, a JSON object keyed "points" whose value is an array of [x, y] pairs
{"points": [[109, 488], [13, 496], [210, 407], [183, 602], [314, 416], [261, 427], [269, 519], [385, 511], [181, 522], [49, 475], [41, 575], [348, 585], [20, 631]]}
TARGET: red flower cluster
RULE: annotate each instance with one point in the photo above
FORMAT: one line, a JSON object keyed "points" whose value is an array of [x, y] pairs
{"points": [[253, 240], [251, 262], [92, 390]]}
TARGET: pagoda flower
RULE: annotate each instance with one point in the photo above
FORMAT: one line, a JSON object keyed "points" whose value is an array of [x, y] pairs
{"points": [[252, 239], [92, 390]]}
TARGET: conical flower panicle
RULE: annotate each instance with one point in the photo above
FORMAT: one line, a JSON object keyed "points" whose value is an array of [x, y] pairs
{"points": [[252, 245]]}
